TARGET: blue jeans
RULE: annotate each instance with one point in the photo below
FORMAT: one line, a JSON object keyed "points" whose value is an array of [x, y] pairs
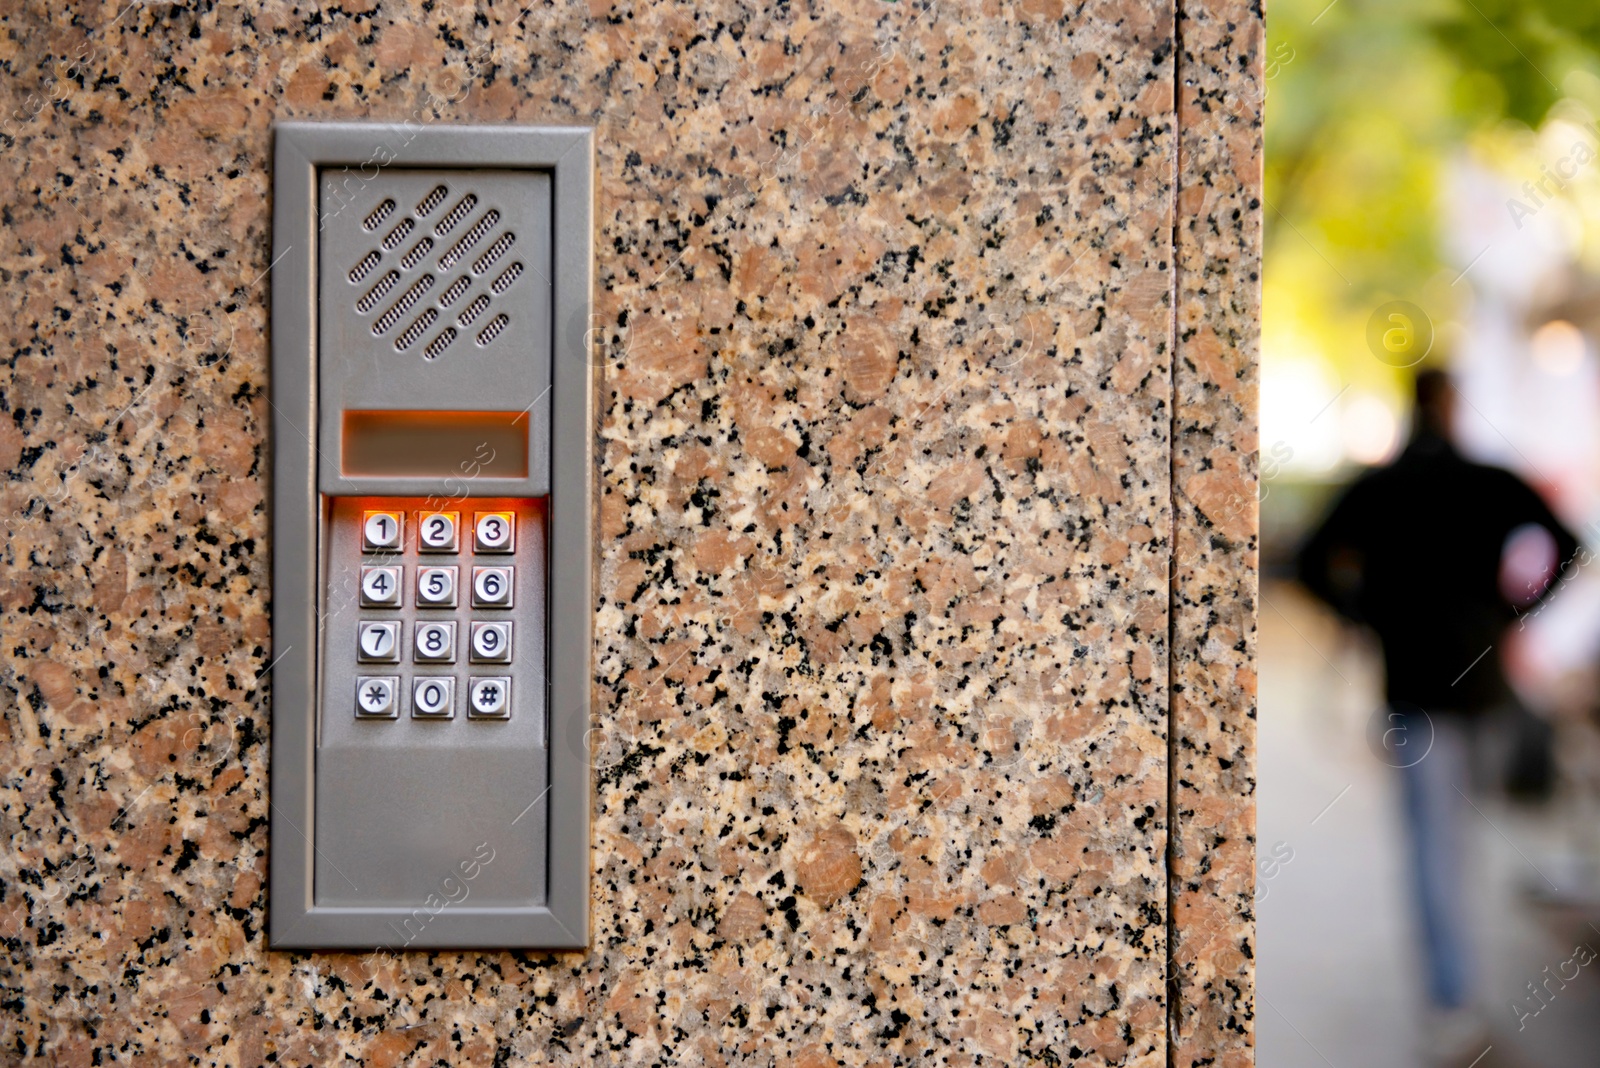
{"points": [[1434, 796]]}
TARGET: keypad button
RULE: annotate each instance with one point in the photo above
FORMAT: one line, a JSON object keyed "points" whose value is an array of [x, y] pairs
{"points": [[494, 532], [491, 643], [380, 587], [491, 587], [490, 698], [379, 643], [439, 532], [435, 643], [377, 696], [433, 697], [380, 531], [436, 587]]}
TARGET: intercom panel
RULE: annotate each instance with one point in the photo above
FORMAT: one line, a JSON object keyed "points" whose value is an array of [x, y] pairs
{"points": [[433, 496]]}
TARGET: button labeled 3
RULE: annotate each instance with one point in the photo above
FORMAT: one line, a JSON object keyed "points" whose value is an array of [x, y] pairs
{"points": [[494, 532], [436, 587], [491, 587], [380, 531], [433, 697], [439, 532], [491, 699], [377, 696], [379, 643], [435, 643], [380, 587], [491, 643]]}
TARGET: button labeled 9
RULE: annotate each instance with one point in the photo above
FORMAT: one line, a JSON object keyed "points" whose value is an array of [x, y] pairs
{"points": [[491, 643], [491, 587]]}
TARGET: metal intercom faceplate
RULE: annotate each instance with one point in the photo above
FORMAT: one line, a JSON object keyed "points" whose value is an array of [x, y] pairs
{"points": [[433, 507]]}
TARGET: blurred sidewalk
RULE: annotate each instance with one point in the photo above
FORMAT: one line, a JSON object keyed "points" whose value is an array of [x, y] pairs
{"points": [[1338, 979]]}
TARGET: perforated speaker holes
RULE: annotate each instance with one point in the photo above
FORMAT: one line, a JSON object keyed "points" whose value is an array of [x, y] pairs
{"points": [[463, 229]]}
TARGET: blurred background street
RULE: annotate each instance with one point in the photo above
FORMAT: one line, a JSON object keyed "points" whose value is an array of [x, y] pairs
{"points": [[1432, 202]]}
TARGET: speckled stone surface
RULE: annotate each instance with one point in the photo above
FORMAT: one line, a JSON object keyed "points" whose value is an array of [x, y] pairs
{"points": [[1215, 545], [887, 479]]}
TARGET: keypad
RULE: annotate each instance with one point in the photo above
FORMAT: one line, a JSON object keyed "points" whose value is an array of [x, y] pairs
{"points": [[431, 553]]}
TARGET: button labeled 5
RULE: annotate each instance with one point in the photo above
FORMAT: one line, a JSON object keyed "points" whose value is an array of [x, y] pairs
{"points": [[439, 532], [379, 643], [436, 587], [435, 643], [494, 532], [380, 587], [491, 587], [491, 643]]}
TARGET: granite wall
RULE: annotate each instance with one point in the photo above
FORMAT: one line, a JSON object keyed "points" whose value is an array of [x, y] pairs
{"points": [[926, 585]]}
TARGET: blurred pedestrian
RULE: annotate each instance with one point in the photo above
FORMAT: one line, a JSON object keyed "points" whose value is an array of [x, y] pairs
{"points": [[1414, 550]]}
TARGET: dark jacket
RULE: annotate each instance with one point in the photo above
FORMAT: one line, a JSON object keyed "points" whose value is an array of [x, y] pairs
{"points": [[1413, 550]]}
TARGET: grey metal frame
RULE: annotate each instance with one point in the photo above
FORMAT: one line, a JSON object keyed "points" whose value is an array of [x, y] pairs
{"points": [[301, 150]]}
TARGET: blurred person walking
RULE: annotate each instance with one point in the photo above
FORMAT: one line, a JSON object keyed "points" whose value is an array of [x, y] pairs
{"points": [[1414, 550]]}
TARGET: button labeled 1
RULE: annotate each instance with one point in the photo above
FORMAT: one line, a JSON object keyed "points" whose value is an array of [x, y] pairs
{"points": [[439, 532], [433, 697], [436, 587], [491, 699], [377, 696], [380, 531], [380, 587], [494, 532], [491, 587], [491, 643]]}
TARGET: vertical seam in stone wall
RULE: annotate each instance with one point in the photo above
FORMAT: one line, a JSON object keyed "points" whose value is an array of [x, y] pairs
{"points": [[1170, 972]]}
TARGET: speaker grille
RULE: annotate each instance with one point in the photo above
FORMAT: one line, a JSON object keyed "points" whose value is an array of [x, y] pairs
{"points": [[471, 224]]}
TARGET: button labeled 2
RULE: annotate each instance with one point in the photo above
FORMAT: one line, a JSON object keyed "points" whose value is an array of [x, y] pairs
{"points": [[439, 532]]}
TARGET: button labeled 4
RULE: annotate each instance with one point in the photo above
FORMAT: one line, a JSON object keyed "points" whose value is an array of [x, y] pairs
{"points": [[380, 587]]}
